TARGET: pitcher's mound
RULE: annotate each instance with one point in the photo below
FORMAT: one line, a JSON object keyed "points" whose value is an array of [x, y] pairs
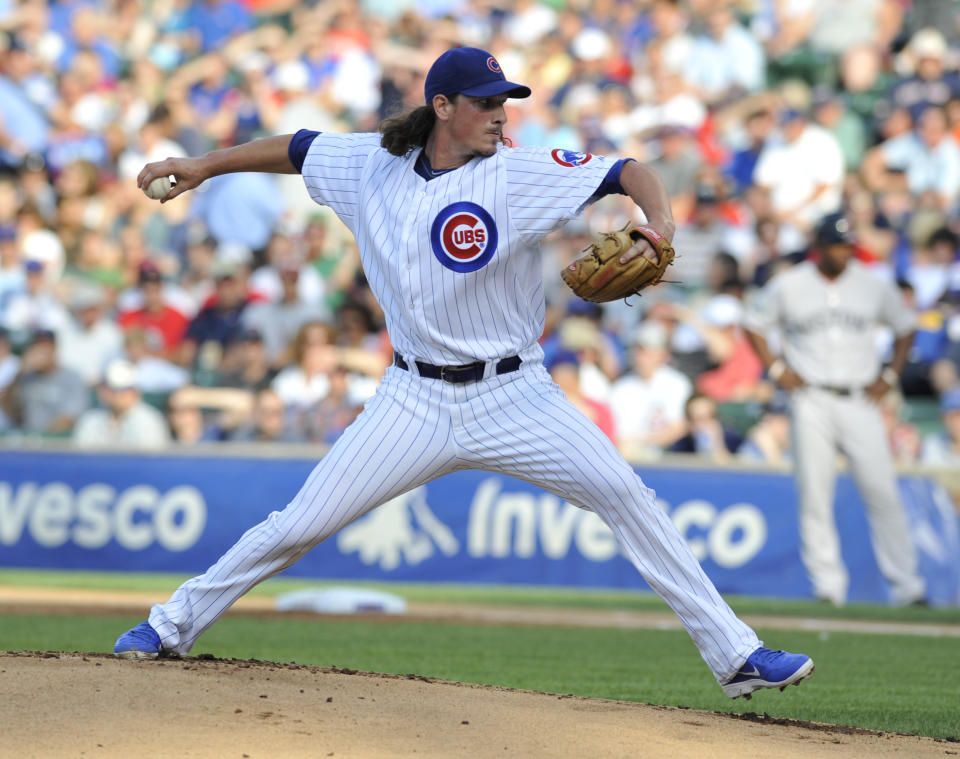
{"points": [[94, 705]]}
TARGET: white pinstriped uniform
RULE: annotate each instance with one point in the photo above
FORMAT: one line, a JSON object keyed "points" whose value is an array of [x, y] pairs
{"points": [[416, 429]]}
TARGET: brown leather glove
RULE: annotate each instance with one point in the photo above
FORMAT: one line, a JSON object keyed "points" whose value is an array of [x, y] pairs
{"points": [[599, 276]]}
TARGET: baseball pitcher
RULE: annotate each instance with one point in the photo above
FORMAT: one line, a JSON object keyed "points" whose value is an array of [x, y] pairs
{"points": [[448, 222]]}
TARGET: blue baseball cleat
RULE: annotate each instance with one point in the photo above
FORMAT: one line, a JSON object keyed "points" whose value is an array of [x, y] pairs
{"points": [[142, 642], [768, 669]]}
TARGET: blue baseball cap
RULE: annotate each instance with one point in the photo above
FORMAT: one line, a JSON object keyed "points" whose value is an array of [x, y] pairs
{"points": [[834, 229], [471, 71]]}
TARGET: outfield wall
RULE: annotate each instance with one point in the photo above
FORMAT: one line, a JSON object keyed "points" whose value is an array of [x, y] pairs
{"points": [[177, 512]]}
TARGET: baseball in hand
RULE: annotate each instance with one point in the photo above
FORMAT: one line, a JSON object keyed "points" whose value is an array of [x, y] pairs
{"points": [[158, 188]]}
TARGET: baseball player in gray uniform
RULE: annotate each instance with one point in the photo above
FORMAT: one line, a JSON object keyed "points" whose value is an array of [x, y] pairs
{"points": [[827, 315], [448, 222]]}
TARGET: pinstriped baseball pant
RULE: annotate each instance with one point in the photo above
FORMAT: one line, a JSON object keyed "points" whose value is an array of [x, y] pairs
{"points": [[415, 430]]}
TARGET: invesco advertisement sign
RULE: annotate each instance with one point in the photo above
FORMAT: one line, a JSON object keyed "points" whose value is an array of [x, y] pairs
{"points": [[180, 513], [508, 523], [53, 514]]}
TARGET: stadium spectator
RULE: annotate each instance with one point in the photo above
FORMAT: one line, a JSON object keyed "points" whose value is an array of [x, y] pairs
{"points": [[769, 440], [185, 418], [864, 83], [155, 373], [366, 345], [90, 339], [155, 315], [326, 419], [737, 370], [803, 174], [942, 449], [678, 165], [13, 276], [153, 143], [597, 351], [706, 235], [758, 127], [44, 398], [246, 364], [219, 321], [648, 403], [725, 61], [278, 320], [929, 83], [934, 267], [36, 307], [839, 25], [565, 371], [831, 113], [269, 422], [904, 437], [307, 379], [925, 162], [705, 434], [124, 420], [283, 256]]}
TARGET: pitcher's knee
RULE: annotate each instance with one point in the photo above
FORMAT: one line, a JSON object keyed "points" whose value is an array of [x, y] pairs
{"points": [[629, 493], [295, 534]]}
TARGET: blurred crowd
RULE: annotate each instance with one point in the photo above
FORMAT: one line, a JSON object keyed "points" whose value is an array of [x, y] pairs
{"points": [[240, 312]]}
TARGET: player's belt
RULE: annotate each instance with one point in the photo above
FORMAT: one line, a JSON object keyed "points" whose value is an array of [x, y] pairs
{"points": [[458, 374], [836, 390]]}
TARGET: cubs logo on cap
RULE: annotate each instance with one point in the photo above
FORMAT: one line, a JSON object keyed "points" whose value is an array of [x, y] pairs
{"points": [[463, 237], [493, 65], [569, 158]]}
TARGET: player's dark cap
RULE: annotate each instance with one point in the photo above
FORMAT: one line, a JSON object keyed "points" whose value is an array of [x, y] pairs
{"points": [[149, 273], [43, 335], [471, 71], [834, 229]]}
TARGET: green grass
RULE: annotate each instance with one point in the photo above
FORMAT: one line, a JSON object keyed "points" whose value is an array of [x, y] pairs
{"points": [[486, 594], [883, 682]]}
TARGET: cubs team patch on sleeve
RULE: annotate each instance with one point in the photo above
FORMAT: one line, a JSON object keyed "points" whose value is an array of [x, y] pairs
{"points": [[570, 158], [463, 237]]}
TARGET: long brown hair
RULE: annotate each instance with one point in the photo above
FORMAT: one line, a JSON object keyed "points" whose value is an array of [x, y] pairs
{"points": [[408, 131], [411, 129]]}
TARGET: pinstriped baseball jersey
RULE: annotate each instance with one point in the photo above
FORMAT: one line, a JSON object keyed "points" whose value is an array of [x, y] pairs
{"points": [[454, 262]]}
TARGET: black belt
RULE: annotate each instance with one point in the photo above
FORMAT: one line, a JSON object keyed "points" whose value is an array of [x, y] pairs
{"points": [[845, 392], [457, 374]]}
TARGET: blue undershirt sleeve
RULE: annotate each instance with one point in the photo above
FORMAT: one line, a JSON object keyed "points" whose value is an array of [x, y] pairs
{"points": [[300, 144], [611, 182]]}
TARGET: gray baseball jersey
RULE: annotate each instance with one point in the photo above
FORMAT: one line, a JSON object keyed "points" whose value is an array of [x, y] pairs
{"points": [[828, 327], [828, 336]]}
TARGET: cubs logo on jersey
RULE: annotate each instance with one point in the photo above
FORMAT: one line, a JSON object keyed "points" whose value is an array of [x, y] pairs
{"points": [[569, 158], [463, 237]]}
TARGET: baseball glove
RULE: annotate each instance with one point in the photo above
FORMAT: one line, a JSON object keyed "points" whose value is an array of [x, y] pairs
{"points": [[600, 277]]}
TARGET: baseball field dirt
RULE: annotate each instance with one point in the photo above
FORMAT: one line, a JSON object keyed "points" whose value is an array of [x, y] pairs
{"points": [[94, 705]]}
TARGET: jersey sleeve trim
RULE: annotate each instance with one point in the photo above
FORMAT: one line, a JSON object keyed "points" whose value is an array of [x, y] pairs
{"points": [[611, 182], [299, 145]]}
